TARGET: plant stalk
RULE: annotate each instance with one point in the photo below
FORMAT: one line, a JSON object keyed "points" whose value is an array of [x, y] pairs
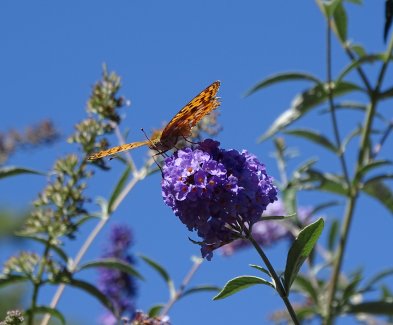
{"points": [[278, 285]]}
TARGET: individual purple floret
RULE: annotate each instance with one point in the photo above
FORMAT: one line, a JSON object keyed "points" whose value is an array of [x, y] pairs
{"points": [[117, 285], [269, 232], [216, 192]]}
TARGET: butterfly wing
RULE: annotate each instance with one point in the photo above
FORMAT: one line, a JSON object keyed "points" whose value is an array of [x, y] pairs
{"points": [[115, 150], [182, 123]]}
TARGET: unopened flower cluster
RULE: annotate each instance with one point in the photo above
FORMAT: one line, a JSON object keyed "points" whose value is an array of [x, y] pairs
{"points": [[269, 232], [14, 317], [215, 191], [118, 286]]}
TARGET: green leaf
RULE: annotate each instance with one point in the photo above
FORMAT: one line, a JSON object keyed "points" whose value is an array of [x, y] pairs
{"points": [[260, 268], [15, 171], [280, 77], [358, 49], [162, 272], [341, 22], [388, 18], [240, 283], [372, 307], [118, 188], [323, 206], [356, 2], [84, 219], [327, 182], [201, 288], [113, 263], [304, 103], [378, 277], [314, 137], [330, 7], [350, 289], [155, 310], [276, 218], [362, 172], [8, 279], [44, 241], [93, 291], [349, 137], [371, 58], [379, 191], [46, 310], [300, 250], [387, 93], [289, 198], [303, 284]]}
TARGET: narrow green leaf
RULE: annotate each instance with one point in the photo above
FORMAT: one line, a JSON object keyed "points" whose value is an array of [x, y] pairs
{"points": [[305, 102], [300, 250], [351, 288], [289, 198], [162, 272], [155, 310], [260, 268], [340, 21], [387, 93], [330, 7], [349, 137], [356, 2], [8, 279], [113, 263], [47, 310], [362, 172], [371, 58], [314, 137], [388, 18], [378, 277], [358, 49], [327, 182], [84, 219], [280, 77], [304, 285], [240, 283], [323, 206], [118, 188], [276, 218], [93, 291], [372, 307], [379, 191], [15, 171], [201, 288]]}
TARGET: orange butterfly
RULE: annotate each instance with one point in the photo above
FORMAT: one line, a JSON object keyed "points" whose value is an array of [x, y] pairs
{"points": [[179, 126]]}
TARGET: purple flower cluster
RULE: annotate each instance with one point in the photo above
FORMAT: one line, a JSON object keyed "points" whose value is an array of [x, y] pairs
{"points": [[269, 232], [215, 191], [115, 284]]}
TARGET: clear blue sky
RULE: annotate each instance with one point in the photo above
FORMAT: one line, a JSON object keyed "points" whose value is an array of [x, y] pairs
{"points": [[166, 52]]}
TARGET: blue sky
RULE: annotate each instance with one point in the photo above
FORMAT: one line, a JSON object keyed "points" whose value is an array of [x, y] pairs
{"points": [[166, 52]]}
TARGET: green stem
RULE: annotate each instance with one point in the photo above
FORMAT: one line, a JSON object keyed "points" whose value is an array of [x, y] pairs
{"points": [[362, 157], [179, 293], [332, 106], [37, 282], [97, 229], [278, 285]]}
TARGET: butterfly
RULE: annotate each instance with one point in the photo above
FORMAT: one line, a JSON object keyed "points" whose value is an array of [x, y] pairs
{"points": [[179, 127]]}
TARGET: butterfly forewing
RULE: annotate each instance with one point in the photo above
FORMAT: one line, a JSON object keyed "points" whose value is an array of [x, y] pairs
{"points": [[115, 150], [180, 125], [193, 112]]}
